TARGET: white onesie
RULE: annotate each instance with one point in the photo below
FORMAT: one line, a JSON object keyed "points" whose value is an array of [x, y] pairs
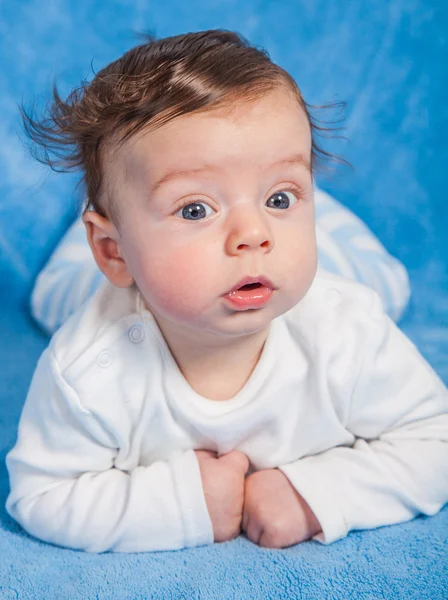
{"points": [[340, 401]]}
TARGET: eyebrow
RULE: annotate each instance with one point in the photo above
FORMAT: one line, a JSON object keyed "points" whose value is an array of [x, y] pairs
{"points": [[296, 159]]}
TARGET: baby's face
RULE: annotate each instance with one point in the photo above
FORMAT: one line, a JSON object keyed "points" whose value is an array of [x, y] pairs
{"points": [[249, 211]]}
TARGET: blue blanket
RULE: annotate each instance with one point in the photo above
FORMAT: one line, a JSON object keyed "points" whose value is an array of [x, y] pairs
{"points": [[388, 63]]}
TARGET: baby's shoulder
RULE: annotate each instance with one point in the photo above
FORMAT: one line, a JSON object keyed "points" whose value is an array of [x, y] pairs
{"points": [[99, 353], [331, 290], [104, 320], [335, 305]]}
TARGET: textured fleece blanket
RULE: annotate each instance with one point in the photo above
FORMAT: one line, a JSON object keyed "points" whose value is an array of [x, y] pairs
{"points": [[388, 61]]}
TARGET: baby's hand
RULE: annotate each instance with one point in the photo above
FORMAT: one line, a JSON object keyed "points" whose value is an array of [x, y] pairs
{"points": [[223, 484], [274, 514]]}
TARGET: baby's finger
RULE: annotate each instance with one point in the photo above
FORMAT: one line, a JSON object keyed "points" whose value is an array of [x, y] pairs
{"points": [[254, 531], [238, 458], [206, 454]]}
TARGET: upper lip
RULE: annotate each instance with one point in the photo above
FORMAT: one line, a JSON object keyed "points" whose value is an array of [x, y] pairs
{"points": [[257, 279]]}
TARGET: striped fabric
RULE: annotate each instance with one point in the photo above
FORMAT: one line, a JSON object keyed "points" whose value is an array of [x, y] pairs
{"points": [[345, 246]]}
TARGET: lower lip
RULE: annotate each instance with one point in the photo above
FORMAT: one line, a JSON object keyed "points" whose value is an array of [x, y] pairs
{"points": [[245, 299]]}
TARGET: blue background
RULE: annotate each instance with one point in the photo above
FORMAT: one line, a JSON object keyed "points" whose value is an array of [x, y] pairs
{"points": [[387, 59]]}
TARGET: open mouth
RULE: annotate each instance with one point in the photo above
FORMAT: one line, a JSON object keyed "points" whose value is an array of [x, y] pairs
{"points": [[250, 296], [250, 286], [255, 284]]}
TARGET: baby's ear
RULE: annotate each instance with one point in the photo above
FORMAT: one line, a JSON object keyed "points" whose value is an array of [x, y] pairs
{"points": [[103, 238]]}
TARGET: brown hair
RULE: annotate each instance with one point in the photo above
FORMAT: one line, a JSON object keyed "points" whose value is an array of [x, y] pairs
{"points": [[148, 86]]}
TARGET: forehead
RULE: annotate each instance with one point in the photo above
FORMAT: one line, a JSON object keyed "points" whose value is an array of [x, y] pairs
{"points": [[236, 135]]}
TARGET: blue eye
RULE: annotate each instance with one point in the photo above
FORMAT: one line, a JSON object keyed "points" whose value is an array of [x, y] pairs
{"points": [[281, 199], [194, 210]]}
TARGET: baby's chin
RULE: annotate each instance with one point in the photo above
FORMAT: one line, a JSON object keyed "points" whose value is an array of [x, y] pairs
{"points": [[237, 323], [211, 322]]}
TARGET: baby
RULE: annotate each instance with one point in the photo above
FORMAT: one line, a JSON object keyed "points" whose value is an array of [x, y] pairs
{"points": [[219, 381]]}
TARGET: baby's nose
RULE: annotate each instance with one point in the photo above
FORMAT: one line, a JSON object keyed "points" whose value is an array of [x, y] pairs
{"points": [[250, 232]]}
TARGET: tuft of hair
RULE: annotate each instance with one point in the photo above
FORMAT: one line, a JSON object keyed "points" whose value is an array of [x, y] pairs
{"points": [[147, 87]]}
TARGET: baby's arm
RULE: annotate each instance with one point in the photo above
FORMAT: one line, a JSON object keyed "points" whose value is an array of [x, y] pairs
{"points": [[66, 490], [398, 465]]}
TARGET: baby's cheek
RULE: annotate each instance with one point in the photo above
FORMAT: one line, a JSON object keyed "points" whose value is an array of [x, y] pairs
{"points": [[298, 265], [177, 283]]}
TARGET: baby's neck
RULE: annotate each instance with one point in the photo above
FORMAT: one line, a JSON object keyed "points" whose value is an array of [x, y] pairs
{"points": [[217, 373]]}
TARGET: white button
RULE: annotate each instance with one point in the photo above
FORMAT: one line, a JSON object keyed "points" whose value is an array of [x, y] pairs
{"points": [[136, 334], [104, 358], [334, 297]]}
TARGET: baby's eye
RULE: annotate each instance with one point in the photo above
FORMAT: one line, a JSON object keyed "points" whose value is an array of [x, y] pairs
{"points": [[282, 199], [194, 210]]}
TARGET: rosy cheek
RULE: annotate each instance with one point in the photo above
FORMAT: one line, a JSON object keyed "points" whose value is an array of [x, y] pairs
{"points": [[176, 282]]}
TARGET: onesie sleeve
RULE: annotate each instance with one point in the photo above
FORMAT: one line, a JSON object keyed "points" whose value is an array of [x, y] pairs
{"points": [[66, 490], [397, 467]]}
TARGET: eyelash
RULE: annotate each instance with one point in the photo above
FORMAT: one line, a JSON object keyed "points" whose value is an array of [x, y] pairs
{"points": [[296, 190]]}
